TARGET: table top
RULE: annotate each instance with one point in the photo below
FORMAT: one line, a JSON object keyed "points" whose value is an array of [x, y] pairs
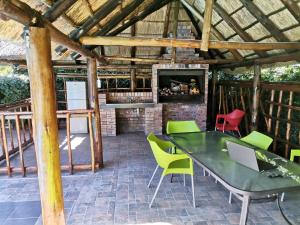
{"points": [[209, 149]]}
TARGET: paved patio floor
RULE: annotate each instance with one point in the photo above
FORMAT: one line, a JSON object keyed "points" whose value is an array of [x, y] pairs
{"points": [[118, 194]]}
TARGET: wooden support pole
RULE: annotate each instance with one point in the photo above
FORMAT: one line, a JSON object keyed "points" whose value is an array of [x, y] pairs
{"points": [[92, 142], [70, 156], [45, 130], [207, 24], [166, 26], [289, 125], [256, 96], [214, 97], [94, 103], [5, 147], [269, 124], [175, 27], [20, 145], [133, 80], [185, 43], [276, 133]]}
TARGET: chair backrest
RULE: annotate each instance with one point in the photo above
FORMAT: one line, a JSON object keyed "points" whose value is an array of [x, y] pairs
{"points": [[184, 126], [159, 154], [235, 117], [258, 139]]}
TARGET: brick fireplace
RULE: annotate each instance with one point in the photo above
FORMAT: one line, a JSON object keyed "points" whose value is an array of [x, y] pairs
{"points": [[170, 104]]}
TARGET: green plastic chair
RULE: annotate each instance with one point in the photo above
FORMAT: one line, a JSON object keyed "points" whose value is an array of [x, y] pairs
{"points": [[294, 153], [184, 126], [170, 163], [258, 140]]}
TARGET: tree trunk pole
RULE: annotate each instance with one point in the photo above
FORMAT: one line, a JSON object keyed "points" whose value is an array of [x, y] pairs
{"points": [[133, 80], [94, 104], [256, 96], [213, 102], [45, 130]]}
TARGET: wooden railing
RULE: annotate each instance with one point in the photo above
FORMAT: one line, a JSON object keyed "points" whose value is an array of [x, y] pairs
{"points": [[279, 109], [15, 125]]}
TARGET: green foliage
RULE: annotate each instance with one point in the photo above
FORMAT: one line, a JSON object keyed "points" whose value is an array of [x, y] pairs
{"points": [[272, 74], [13, 88]]}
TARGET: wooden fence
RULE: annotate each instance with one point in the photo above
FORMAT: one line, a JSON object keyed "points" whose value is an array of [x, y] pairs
{"points": [[16, 136], [278, 111]]}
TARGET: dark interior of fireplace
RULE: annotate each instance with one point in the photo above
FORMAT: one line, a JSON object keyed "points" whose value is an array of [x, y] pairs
{"points": [[181, 86]]}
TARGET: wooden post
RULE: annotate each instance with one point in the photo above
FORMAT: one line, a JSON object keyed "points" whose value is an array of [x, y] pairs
{"points": [[20, 145], [256, 96], [133, 79], [94, 103], [175, 27], [207, 24], [289, 125], [45, 130], [213, 102]]}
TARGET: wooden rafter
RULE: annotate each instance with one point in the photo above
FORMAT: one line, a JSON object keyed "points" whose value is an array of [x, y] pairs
{"points": [[293, 8], [166, 26], [186, 43], [214, 31], [133, 49], [207, 24], [198, 35], [156, 5], [100, 14], [28, 16], [264, 20], [268, 60], [159, 60], [58, 8], [175, 28], [236, 27], [118, 18]]}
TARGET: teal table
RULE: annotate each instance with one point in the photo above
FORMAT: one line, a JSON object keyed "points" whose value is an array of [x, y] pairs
{"points": [[208, 150]]}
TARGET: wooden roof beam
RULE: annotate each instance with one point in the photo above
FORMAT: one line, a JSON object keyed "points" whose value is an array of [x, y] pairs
{"points": [[293, 8], [214, 31], [118, 18], [159, 60], [264, 20], [156, 5], [166, 27], [207, 24], [100, 14], [28, 17], [185, 43], [236, 27], [58, 8], [198, 33], [287, 57]]}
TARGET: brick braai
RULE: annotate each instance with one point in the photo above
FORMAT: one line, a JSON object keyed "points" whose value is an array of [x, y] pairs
{"points": [[154, 118]]}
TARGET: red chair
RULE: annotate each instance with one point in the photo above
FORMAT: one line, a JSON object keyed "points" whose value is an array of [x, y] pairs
{"points": [[231, 121]]}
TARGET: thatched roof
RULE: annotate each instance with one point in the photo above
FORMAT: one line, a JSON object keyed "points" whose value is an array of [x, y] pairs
{"points": [[278, 21]]}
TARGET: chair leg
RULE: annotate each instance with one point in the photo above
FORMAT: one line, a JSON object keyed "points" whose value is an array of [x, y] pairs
{"points": [[183, 179], [193, 191], [282, 197], [239, 133], [153, 175], [160, 181], [230, 197]]}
